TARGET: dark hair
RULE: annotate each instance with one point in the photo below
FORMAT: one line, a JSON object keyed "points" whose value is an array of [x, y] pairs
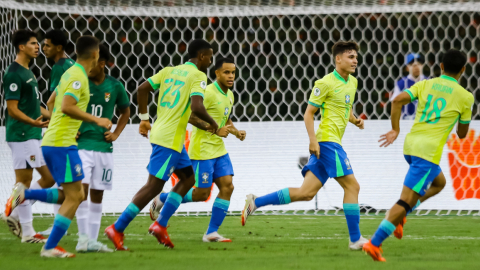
{"points": [[221, 61], [104, 53], [453, 61], [21, 37], [57, 37], [344, 46], [196, 46], [85, 45]]}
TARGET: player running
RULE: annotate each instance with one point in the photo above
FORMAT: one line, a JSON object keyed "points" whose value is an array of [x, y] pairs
{"points": [[211, 162], [59, 146], [334, 95], [441, 103], [95, 150], [180, 88], [24, 131]]}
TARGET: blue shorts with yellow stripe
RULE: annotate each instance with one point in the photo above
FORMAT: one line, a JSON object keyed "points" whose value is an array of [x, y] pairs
{"points": [[64, 163], [333, 162], [208, 170], [163, 161], [420, 174]]}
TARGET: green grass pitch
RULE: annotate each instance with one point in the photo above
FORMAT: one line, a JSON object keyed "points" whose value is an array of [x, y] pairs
{"points": [[266, 242]]}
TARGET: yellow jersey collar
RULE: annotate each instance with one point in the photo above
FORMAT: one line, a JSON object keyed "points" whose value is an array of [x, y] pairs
{"points": [[338, 76], [191, 64], [81, 67], [448, 78], [219, 89]]}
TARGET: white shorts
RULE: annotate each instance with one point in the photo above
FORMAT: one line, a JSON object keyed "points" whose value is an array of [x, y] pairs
{"points": [[97, 168], [27, 154]]}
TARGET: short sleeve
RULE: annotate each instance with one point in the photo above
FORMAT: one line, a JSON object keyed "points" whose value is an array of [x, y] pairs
{"points": [[76, 88], [156, 80], [414, 90], [123, 101], [319, 93], [198, 85], [466, 115], [55, 77], [12, 85]]}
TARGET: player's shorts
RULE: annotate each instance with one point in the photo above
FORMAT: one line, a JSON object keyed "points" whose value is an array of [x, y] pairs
{"points": [[27, 154], [64, 163], [164, 161], [421, 174], [98, 169], [207, 170], [333, 162]]}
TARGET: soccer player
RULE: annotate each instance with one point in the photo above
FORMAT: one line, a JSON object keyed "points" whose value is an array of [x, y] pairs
{"points": [[181, 92], [334, 95], [24, 130], [59, 146], [441, 103], [211, 162], [95, 150]]}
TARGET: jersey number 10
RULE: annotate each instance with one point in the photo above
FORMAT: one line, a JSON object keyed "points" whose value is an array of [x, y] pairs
{"points": [[427, 116]]}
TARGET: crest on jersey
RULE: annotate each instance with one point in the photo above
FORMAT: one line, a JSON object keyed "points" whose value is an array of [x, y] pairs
{"points": [[107, 97], [316, 92], [13, 87], [203, 84], [78, 169], [32, 158], [205, 178], [76, 85], [347, 99], [347, 162], [226, 111], [171, 171]]}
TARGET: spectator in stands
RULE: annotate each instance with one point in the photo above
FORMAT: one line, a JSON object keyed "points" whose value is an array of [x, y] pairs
{"points": [[414, 63]]}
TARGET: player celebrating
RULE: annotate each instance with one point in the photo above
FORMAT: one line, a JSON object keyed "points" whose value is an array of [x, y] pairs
{"points": [[59, 146], [24, 130], [334, 95], [441, 102], [179, 87], [211, 162], [95, 150]]}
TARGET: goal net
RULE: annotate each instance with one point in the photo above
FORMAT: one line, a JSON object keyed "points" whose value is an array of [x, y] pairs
{"points": [[281, 47]]}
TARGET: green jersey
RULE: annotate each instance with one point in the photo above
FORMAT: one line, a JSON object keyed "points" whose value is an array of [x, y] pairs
{"points": [[205, 145], [334, 96], [175, 85], [441, 103], [57, 71], [103, 98], [20, 84]]}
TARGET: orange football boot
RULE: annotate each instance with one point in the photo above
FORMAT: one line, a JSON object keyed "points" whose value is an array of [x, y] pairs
{"points": [[116, 237], [161, 234], [373, 251], [398, 233]]}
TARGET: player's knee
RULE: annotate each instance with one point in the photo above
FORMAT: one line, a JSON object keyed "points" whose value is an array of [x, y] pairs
{"points": [[202, 194], [352, 187], [227, 189], [307, 196]]}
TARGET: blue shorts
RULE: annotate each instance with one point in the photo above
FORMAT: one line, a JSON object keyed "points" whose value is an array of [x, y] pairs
{"points": [[64, 163], [207, 170], [164, 161], [421, 174], [333, 162]]}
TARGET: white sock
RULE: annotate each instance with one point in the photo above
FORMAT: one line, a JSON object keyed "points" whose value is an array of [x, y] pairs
{"points": [[82, 218], [14, 214], [94, 220], [26, 218]]}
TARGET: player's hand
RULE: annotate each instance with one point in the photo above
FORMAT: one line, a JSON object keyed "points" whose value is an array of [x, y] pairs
{"points": [[40, 123], [144, 128], [359, 123], [314, 148], [110, 136], [78, 135], [223, 132], [241, 135], [104, 122], [388, 138], [212, 128]]}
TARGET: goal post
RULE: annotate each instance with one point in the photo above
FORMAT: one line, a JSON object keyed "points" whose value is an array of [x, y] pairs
{"points": [[280, 48]]}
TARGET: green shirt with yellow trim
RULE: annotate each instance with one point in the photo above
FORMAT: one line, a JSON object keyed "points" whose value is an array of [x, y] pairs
{"points": [[63, 129], [175, 85], [205, 145], [441, 102], [334, 96]]}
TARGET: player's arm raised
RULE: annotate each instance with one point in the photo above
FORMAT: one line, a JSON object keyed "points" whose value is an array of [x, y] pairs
{"points": [[240, 134], [401, 100], [308, 118], [17, 114], [70, 108]]}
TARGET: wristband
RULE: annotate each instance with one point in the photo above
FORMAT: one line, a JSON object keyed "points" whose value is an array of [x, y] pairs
{"points": [[144, 116]]}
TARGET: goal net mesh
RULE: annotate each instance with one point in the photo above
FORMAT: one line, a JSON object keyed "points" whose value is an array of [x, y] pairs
{"points": [[280, 49]]}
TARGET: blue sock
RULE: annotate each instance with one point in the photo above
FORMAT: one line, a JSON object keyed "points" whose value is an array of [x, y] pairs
{"points": [[171, 205], [219, 211], [126, 217], [187, 198], [60, 226], [49, 195], [385, 229], [280, 197], [352, 214], [415, 207]]}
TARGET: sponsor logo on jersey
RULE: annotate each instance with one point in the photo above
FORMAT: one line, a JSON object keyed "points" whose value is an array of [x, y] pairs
{"points": [[107, 97], [205, 178], [347, 99], [226, 111], [316, 92], [32, 158], [76, 85], [13, 87], [78, 169]]}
